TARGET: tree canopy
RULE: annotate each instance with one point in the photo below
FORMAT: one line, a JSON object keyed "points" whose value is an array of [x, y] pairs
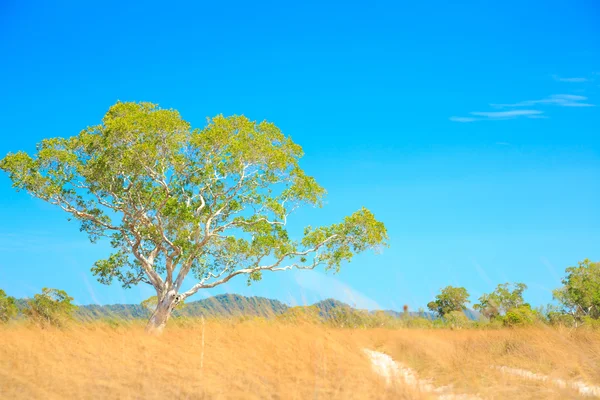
{"points": [[580, 294], [51, 307], [175, 201], [507, 296], [450, 299]]}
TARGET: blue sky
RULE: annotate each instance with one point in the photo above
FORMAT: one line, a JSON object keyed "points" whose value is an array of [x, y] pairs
{"points": [[471, 130]]}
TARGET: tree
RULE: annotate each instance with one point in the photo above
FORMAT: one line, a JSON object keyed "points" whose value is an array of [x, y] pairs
{"points": [[8, 307], [175, 201], [51, 307], [580, 295], [151, 303], [450, 299], [506, 297]]}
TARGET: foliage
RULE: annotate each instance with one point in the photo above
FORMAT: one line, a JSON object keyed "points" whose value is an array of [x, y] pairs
{"points": [[457, 319], [450, 299], [580, 295], [506, 297], [174, 200], [590, 323], [520, 316], [8, 307], [51, 307]]}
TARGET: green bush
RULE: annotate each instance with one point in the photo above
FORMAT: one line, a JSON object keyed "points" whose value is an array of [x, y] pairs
{"points": [[556, 318], [589, 322], [457, 320], [520, 316], [51, 307]]}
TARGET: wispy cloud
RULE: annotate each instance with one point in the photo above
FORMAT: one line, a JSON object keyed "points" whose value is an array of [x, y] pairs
{"points": [[561, 100], [532, 109], [570, 80], [463, 119], [499, 115], [326, 286], [506, 114]]}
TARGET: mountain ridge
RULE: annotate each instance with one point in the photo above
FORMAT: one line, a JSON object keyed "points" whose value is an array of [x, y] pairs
{"points": [[230, 304]]}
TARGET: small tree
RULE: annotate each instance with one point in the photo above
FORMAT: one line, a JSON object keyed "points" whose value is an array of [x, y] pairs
{"points": [[450, 299], [580, 295], [176, 201], [51, 307], [506, 297], [8, 307]]}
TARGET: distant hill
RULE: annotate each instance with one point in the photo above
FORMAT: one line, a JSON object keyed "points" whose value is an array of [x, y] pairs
{"points": [[399, 314], [224, 305], [233, 304], [326, 306]]}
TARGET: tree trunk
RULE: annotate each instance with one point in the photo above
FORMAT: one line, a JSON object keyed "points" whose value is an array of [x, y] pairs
{"points": [[161, 314]]}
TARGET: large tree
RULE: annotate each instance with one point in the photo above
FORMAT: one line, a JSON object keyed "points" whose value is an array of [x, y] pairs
{"points": [[506, 297], [580, 295], [449, 300], [175, 201]]}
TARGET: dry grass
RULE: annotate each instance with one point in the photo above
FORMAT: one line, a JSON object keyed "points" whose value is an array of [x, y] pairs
{"points": [[262, 359], [464, 358]]}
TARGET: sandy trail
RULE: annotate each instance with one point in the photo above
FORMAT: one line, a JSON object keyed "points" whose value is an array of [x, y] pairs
{"points": [[581, 387], [392, 370]]}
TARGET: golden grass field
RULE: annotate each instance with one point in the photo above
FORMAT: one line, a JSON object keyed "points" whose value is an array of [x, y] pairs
{"points": [[266, 359]]}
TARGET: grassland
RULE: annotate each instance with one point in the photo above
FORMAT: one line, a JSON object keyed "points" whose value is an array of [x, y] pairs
{"points": [[269, 359]]}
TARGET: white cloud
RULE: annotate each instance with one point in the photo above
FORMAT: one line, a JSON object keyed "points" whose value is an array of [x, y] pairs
{"points": [[561, 100], [570, 80], [462, 119], [499, 115], [506, 114], [558, 100]]}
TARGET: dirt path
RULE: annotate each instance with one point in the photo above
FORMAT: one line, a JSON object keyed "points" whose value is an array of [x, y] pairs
{"points": [[392, 371], [581, 387]]}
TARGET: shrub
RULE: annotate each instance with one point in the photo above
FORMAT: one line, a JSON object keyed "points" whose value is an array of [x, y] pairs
{"points": [[457, 319], [51, 307], [556, 318], [520, 316], [590, 322]]}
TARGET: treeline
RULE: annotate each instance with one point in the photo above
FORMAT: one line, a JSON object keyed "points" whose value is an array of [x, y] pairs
{"points": [[51, 307], [577, 304]]}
